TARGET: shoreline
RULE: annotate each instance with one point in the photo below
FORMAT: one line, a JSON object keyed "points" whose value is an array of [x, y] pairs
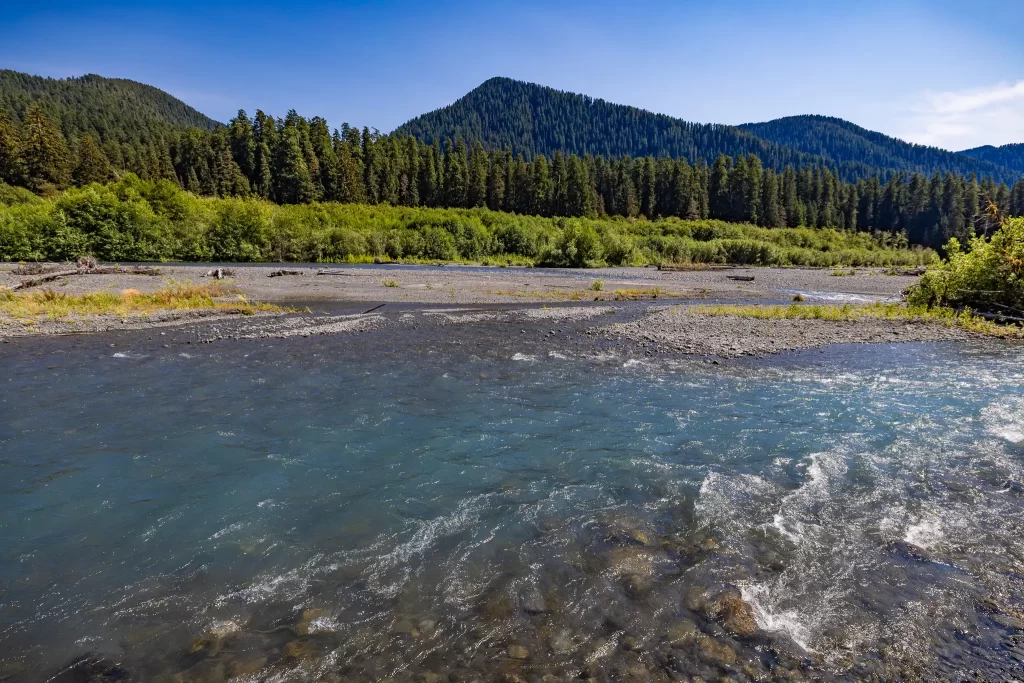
{"points": [[640, 309]]}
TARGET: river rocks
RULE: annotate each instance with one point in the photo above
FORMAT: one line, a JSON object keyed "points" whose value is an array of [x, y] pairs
{"points": [[532, 601], [561, 642], [298, 650], [681, 633], [246, 665], [635, 561], [213, 639], [735, 614], [715, 652], [518, 652], [406, 627], [94, 668], [696, 599], [307, 624]]}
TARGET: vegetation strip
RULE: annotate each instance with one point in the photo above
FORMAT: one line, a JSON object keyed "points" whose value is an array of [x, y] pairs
{"points": [[176, 297]]}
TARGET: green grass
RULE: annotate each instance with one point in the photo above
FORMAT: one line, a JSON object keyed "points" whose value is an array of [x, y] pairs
{"points": [[55, 305], [850, 312], [391, 282]]}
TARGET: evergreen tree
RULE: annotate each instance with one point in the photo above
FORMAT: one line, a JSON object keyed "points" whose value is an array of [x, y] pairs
{"points": [[292, 181], [11, 163], [44, 153], [92, 166]]}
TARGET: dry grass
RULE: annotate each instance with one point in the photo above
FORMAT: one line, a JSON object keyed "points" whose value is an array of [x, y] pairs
{"points": [[849, 312], [176, 296]]}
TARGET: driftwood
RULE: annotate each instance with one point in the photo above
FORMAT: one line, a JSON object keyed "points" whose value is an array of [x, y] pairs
{"points": [[32, 282], [279, 273], [741, 278], [220, 273], [374, 309], [87, 270]]}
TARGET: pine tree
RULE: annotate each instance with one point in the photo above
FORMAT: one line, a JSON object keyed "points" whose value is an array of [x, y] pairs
{"points": [[12, 169], [240, 135], [477, 190], [496, 174], [718, 188], [770, 214], [92, 166], [45, 155], [292, 181]]}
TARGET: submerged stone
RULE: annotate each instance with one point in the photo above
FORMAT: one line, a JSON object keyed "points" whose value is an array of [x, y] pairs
{"points": [[735, 614], [518, 652]]}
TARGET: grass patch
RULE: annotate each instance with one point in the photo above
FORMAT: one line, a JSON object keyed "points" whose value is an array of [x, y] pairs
{"points": [[391, 282], [597, 285], [841, 272], [850, 312], [176, 296]]}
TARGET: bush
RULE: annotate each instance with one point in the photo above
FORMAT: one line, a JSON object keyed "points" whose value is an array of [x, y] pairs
{"points": [[577, 246], [134, 219], [988, 277]]}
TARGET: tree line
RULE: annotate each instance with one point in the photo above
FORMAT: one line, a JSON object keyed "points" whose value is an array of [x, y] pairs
{"points": [[294, 160]]}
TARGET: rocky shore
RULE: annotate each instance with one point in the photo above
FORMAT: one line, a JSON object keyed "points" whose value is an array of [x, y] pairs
{"points": [[678, 330], [363, 299]]}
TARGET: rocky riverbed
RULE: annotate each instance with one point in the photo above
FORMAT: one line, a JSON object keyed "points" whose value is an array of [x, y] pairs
{"points": [[357, 299]]}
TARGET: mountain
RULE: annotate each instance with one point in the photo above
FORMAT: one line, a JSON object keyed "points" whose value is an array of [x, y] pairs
{"points": [[843, 142], [1010, 156], [107, 108], [533, 119]]}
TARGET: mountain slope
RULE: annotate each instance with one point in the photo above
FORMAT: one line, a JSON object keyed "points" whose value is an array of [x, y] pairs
{"points": [[842, 142], [1010, 156], [108, 108], [534, 119]]}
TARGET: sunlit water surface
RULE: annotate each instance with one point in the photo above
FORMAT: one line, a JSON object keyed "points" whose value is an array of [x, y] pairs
{"points": [[292, 511]]}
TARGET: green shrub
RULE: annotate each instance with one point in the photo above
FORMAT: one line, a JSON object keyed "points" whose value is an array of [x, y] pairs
{"points": [[989, 276]]}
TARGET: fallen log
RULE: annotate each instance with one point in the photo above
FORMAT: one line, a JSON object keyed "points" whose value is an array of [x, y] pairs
{"points": [[282, 272], [741, 278], [49, 277]]}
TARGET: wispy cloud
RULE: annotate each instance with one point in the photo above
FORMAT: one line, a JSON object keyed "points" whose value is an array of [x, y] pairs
{"points": [[992, 115]]}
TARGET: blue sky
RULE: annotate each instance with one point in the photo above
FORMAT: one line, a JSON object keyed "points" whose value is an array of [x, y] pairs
{"points": [[940, 72]]}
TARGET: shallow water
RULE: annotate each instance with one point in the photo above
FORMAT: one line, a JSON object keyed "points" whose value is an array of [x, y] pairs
{"points": [[324, 508]]}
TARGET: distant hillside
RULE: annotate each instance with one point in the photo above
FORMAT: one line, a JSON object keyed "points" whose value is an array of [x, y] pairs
{"points": [[843, 142], [1010, 156], [108, 108], [534, 119]]}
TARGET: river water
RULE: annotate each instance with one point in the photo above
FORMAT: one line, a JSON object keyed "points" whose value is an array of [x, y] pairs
{"points": [[337, 510]]}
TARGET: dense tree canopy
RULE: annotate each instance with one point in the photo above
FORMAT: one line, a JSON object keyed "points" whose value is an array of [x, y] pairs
{"points": [[81, 131], [532, 119]]}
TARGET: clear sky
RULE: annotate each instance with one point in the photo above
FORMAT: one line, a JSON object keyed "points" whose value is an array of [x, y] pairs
{"points": [[942, 72]]}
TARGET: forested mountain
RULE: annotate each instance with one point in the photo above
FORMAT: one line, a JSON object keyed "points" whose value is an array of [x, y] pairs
{"points": [[1010, 156], [51, 143], [533, 119], [844, 143], [107, 108]]}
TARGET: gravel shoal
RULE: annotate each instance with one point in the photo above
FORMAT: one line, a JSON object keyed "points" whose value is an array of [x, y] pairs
{"points": [[460, 285], [677, 330]]}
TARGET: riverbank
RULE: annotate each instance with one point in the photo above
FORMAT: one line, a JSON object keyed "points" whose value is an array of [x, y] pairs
{"points": [[640, 311]]}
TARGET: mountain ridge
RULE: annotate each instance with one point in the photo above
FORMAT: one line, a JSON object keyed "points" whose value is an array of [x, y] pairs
{"points": [[116, 109], [535, 119]]}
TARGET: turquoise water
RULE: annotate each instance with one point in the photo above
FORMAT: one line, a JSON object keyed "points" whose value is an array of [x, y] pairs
{"points": [[312, 509]]}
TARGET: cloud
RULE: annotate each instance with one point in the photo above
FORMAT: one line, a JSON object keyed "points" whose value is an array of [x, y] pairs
{"points": [[956, 120]]}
